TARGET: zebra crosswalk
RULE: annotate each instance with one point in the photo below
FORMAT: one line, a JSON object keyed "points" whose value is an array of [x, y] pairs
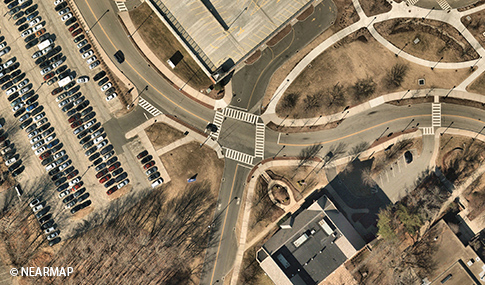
{"points": [[411, 2], [444, 5], [121, 6], [149, 107], [436, 114], [240, 115], [218, 119], [259, 144], [427, 131], [238, 156]]}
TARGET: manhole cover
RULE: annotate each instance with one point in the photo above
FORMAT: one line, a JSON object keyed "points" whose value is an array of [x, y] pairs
{"points": [[421, 82]]}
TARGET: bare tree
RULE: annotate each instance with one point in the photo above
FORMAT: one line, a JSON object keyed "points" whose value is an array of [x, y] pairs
{"points": [[313, 102], [336, 95], [395, 76], [308, 153], [289, 101], [364, 88], [367, 178]]}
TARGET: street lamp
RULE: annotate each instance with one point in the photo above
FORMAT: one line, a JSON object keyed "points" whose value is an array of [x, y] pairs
{"points": [[403, 96], [315, 122], [97, 21], [382, 133], [408, 125], [447, 128], [397, 54], [276, 95], [279, 152], [131, 104], [475, 63], [371, 22], [428, 13], [432, 68], [449, 92], [149, 16], [479, 133]]}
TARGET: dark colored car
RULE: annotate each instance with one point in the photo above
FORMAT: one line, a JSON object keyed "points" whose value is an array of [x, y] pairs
{"points": [[106, 149], [57, 176], [45, 218], [61, 6], [31, 43], [154, 176], [99, 75], [114, 166], [60, 181], [70, 21], [109, 183], [103, 81], [70, 85], [56, 91], [122, 176], [146, 159], [78, 39], [71, 28], [82, 135], [85, 48], [81, 206], [82, 105], [72, 174], [41, 213], [76, 32], [94, 156], [148, 165], [142, 154], [47, 224], [23, 27], [101, 173], [408, 156], [57, 239], [86, 111], [18, 171], [120, 57]]}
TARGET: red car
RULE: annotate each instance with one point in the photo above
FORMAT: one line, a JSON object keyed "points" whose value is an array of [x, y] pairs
{"points": [[56, 91], [39, 33], [75, 187], [75, 124], [72, 174], [48, 76], [71, 28], [148, 165], [112, 190], [104, 179], [142, 154], [101, 173], [74, 118], [76, 32], [114, 166], [45, 155]]}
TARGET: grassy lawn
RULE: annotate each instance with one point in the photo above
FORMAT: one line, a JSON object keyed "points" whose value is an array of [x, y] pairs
{"points": [[163, 44], [475, 25], [436, 39], [375, 7], [358, 56], [161, 135], [478, 86]]}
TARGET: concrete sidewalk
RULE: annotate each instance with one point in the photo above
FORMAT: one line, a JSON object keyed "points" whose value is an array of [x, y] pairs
{"points": [[399, 10], [186, 89]]}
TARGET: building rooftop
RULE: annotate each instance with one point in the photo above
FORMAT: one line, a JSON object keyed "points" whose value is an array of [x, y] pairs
{"points": [[310, 245]]}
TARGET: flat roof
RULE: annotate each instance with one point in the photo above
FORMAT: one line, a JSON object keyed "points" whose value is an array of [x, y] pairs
{"points": [[230, 29]]}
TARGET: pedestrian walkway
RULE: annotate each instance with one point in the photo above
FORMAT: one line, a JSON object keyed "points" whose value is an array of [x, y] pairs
{"points": [[121, 6], [149, 107], [436, 114], [238, 156], [218, 120], [240, 115], [444, 5], [259, 145]]}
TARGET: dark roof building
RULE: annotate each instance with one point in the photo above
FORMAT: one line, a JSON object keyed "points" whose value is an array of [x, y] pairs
{"points": [[309, 246]]}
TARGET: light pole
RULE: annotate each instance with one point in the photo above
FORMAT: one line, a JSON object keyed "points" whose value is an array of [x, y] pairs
{"points": [[449, 92], [89, 29], [279, 152], [283, 121], [408, 125], [39, 87], [447, 128], [446, 143], [428, 13], [315, 122], [149, 16], [479, 133], [131, 104], [397, 54], [86, 171], [475, 63], [371, 22], [382, 133], [431, 89], [276, 95], [432, 68], [403, 96]]}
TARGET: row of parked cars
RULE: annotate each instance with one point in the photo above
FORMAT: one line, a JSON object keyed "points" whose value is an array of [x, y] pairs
{"points": [[93, 138], [150, 169], [41, 212]]}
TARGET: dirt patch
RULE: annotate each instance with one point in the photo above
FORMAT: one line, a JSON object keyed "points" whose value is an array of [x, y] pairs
{"points": [[308, 128], [476, 4], [459, 156], [478, 86], [346, 16], [307, 13], [188, 160], [475, 196], [375, 7], [463, 102], [161, 135], [279, 36], [351, 64], [476, 25], [410, 101], [436, 39], [281, 195], [253, 58], [164, 45]]}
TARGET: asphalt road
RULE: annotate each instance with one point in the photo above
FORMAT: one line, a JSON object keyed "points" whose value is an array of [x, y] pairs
{"points": [[249, 83]]}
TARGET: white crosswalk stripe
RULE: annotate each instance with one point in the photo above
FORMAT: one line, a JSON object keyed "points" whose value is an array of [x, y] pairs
{"points": [[240, 115], [444, 5], [218, 119], [436, 114], [149, 107], [428, 131], [121, 6], [259, 145], [411, 2], [238, 156]]}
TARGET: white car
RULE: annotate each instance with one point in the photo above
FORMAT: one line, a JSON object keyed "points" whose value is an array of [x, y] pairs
{"points": [[8, 63], [45, 70], [35, 146], [108, 155], [49, 138], [53, 235], [36, 54], [4, 44], [98, 139], [91, 59], [64, 166], [38, 117], [20, 105], [74, 181], [64, 11], [34, 21], [11, 90], [67, 16], [10, 161], [37, 208], [57, 2], [82, 79], [111, 97], [88, 54], [24, 90], [64, 193], [33, 133], [23, 83], [34, 202], [47, 49], [35, 139], [38, 27], [40, 150], [27, 32], [157, 182], [106, 86], [41, 122], [50, 166], [123, 183], [49, 230], [94, 64], [90, 123], [59, 154], [101, 144]]}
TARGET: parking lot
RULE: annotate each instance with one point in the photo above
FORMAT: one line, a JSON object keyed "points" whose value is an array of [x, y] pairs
{"points": [[50, 152]]}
